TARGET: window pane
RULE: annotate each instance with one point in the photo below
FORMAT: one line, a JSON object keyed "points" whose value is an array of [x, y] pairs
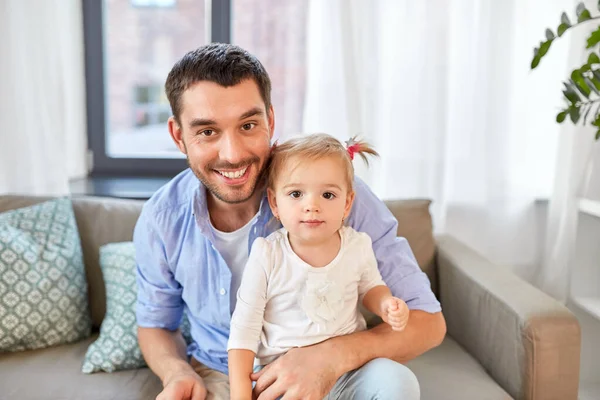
{"points": [[275, 31], [142, 41]]}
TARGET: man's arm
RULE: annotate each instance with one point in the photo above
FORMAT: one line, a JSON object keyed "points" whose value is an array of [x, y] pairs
{"points": [[158, 311], [296, 373], [164, 352], [423, 332]]}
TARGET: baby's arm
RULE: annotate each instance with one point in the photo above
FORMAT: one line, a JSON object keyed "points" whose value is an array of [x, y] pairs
{"points": [[375, 295], [247, 321], [392, 310], [241, 362]]}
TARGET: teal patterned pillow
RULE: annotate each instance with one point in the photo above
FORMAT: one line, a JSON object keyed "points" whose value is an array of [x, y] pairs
{"points": [[117, 348], [43, 288]]}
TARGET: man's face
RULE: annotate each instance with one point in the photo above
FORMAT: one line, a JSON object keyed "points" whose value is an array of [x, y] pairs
{"points": [[225, 134]]}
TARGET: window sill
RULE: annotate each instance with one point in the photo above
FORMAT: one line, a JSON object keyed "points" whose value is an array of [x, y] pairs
{"points": [[139, 188]]}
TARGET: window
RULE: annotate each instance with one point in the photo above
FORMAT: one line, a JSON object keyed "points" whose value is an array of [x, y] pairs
{"points": [[131, 46], [275, 32]]}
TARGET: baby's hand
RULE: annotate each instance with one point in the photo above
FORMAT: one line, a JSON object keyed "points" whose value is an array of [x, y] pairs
{"points": [[395, 312]]}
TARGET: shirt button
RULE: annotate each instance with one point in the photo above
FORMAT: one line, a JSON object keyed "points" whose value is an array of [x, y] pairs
{"points": [[222, 291]]}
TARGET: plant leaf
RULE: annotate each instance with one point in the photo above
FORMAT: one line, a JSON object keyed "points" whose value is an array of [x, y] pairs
{"points": [[595, 82], [571, 94], [562, 28], [564, 19], [584, 16], [578, 82], [592, 85], [594, 38], [544, 47], [598, 135], [574, 114], [571, 98], [597, 121], [549, 34], [593, 59], [580, 8], [584, 90], [586, 114], [560, 118]]}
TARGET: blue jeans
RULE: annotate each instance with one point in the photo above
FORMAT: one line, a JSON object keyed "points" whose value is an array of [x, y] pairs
{"points": [[379, 379]]}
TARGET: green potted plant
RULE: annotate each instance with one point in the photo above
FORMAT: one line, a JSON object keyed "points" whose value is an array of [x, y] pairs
{"points": [[582, 90]]}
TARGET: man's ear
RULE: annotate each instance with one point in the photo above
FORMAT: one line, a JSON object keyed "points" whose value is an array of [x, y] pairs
{"points": [[272, 202], [349, 202], [271, 120], [176, 134]]}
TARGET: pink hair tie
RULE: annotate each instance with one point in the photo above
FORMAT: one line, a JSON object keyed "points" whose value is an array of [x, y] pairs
{"points": [[352, 146]]}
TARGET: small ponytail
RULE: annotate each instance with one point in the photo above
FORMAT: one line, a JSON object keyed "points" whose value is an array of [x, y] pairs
{"points": [[362, 148]]}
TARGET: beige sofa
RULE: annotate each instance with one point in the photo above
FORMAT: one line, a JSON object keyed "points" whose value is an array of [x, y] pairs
{"points": [[505, 339]]}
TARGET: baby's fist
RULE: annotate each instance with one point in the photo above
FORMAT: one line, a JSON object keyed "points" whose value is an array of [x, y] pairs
{"points": [[395, 312]]}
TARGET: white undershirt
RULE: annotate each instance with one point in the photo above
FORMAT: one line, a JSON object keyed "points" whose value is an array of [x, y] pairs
{"points": [[233, 247], [283, 302]]}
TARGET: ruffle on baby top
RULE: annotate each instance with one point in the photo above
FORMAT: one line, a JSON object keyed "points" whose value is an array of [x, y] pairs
{"points": [[323, 299]]}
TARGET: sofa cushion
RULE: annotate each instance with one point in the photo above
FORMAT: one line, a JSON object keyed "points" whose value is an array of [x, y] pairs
{"points": [[55, 373], [414, 224], [448, 372], [99, 221], [43, 289], [117, 347]]}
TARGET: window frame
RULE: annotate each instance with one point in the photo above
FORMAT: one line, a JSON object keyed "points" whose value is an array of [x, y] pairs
{"points": [[100, 163]]}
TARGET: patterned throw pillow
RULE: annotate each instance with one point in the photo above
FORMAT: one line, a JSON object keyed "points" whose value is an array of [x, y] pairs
{"points": [[117, 348], [43, 288]]}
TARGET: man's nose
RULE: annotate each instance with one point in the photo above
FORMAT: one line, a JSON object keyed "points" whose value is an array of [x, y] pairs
{"points": [[231, 148]]}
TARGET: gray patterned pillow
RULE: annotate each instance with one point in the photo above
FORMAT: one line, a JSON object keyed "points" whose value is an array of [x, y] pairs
{"points": [[117, 348], [43, 289]]}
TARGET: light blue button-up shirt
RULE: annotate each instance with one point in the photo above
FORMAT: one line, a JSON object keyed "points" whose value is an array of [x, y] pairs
{"points": [[179, 270]]}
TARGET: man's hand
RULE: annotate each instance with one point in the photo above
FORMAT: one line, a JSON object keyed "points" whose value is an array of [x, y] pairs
{"points": [[306, 373], [185, 385], [395, 312]]}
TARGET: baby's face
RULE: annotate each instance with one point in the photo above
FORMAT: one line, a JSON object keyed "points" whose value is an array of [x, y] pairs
{"points": [[312, 198]]}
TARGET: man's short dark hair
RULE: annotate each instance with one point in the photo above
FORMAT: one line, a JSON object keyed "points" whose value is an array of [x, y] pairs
{"points": [[222, 63]]}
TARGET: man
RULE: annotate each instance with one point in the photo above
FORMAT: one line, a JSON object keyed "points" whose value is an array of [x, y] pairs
{"points": [[193, 237]]}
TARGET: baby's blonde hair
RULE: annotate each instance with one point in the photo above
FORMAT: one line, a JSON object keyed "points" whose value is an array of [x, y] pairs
{"points": [[314, 147]]}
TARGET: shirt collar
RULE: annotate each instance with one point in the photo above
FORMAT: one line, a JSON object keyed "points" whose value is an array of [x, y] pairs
{"points": [[199, 209]]}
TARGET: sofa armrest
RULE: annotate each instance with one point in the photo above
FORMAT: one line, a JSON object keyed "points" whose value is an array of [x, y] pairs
{"points": [[527, 341]]}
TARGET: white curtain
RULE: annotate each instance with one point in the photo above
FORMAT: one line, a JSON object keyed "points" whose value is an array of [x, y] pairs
{"points": [[443, 90], [42, 96]]}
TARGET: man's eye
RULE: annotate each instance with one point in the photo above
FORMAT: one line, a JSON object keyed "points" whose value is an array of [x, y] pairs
{"points": [[248, 126], [296, 194], [207, 132], [328, 195]]}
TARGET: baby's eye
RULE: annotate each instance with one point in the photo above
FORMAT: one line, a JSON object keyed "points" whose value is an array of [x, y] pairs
{"points": [[328, 195], [296, 194]]}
